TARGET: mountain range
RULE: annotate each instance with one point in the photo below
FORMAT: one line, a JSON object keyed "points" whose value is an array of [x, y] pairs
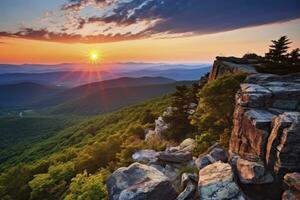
{"points": [[89, 99]]}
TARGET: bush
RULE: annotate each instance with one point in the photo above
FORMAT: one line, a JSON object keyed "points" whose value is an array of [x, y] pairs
{"points": [[87, 187], [214, 114]]}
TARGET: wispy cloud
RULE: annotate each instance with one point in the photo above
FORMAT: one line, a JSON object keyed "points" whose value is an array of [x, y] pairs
{"points": [[116, 20]]}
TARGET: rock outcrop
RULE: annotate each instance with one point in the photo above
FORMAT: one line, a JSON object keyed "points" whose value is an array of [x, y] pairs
{"points": [[139, 182], [253, 172], [216, 182], [267, 121], [263, 157], [292, 180], [225, 65]]}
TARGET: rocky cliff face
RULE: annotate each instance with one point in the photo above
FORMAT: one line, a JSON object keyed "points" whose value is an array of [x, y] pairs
{"points": [[264, 144], [263, 159], [266, 133], [224, 65]]}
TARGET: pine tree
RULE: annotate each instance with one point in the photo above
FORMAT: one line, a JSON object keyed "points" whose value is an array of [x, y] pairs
{"points": [[294, 56], [277, 51]]}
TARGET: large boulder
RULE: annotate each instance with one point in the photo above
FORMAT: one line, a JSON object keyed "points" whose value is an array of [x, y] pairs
{"points": [[253, 172], [216, 182], [139, 182], [215, 153]]}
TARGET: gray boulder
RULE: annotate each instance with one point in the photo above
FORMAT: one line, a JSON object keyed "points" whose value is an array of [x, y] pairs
{"points": [[215, 153], [139, 182], [216, 182], [175, 157]]}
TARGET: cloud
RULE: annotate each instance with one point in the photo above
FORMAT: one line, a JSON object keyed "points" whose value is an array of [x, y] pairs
{"points": [[44, 35], [117, 20]]}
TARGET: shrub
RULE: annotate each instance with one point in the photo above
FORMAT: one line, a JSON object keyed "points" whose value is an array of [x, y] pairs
{"points": [[214, 113], [87, 187]]}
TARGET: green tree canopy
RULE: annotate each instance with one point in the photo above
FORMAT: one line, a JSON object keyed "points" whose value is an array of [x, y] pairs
{"points": [[213, 116]]}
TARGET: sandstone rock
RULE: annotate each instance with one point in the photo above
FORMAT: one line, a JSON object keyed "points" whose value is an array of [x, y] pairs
{"points": [[293, 180], [224, 65], [251, 130], [145, 156], [281, 122], [251, 172], [215, 153], [291, 195], [288, 151], [263, 121], [187, 177], [139, 182], [216, 183], [187, 145], [175, 157], [188, 192]]}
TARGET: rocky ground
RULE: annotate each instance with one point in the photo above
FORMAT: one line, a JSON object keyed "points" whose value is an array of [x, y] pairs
{"points": [[262, 162]]}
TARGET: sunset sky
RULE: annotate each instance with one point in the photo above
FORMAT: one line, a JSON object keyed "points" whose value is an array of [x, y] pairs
{"points": [[66, 31]]}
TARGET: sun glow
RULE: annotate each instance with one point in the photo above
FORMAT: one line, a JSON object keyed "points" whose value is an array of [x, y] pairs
{"points": [[94, 57]]}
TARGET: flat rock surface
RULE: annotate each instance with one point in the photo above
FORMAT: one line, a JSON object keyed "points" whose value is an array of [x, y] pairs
{"points": [[139, 182], [216, 183]]}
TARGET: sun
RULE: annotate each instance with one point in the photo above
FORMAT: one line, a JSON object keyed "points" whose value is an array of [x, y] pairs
{"points": [[94, 56]]}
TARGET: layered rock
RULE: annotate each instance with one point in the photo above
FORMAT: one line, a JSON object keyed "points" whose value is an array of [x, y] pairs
{"points": [[169, 162], [139, 182], [283, 150], [253, 172], [266, 121], [225, 65], [293, 182], [216, 182]]}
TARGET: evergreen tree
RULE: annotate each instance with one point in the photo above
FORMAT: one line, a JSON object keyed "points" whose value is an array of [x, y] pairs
{"points": [[277, 51], [294, 56], [179, 119]]}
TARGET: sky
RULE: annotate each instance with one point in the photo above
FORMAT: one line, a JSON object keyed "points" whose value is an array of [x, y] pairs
{"points": [[174, 31]]}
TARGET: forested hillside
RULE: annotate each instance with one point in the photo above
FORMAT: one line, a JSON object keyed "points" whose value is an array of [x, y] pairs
{"points": [[45, 170]]}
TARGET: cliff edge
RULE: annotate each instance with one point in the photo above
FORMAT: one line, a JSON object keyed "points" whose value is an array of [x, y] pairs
{"points": [[263, 159]]}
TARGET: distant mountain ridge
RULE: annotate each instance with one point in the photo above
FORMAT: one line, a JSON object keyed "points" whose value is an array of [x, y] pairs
{"points": [[22, 94], [111, 99], [68, 75], [76, 78], [89, 99]]}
